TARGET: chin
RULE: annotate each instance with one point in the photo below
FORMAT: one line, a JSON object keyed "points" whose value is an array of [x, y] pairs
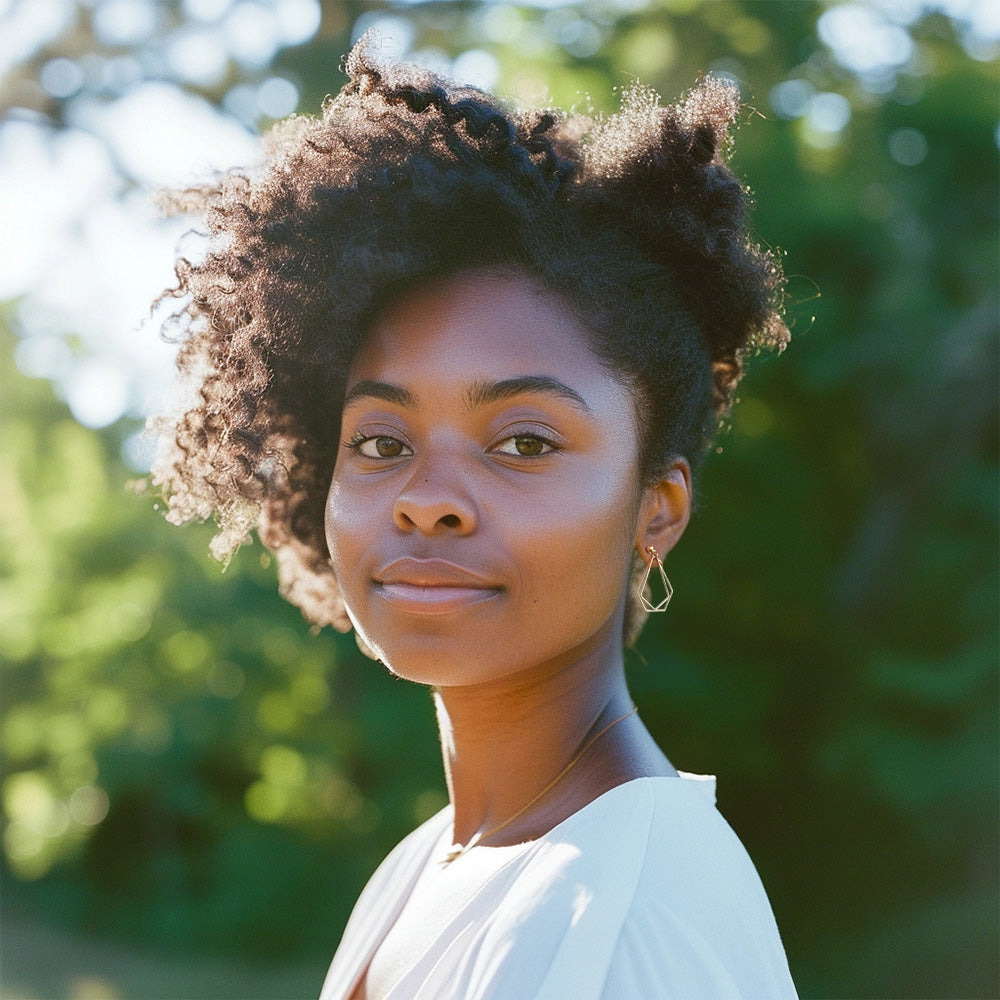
{"points": [[430, 670], [432, 662]]}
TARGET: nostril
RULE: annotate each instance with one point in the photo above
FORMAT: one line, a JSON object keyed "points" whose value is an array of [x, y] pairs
{"points": [[450, 520]]}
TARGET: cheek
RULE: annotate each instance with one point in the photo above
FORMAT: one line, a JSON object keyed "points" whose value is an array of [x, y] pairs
{"points": [[582, 543], [344, 522]]}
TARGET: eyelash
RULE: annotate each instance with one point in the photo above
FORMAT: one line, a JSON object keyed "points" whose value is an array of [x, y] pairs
{"points": [[359, 439], [549, 445]]}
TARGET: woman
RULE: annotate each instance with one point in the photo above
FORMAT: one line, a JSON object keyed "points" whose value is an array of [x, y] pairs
{"points": [[458, 366]]}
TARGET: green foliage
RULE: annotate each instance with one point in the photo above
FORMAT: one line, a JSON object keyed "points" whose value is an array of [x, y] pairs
{"points": [[170, 733], [185, 764]]}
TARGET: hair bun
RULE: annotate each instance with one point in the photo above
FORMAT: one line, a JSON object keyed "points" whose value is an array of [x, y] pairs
{"points": [[665, 168]]}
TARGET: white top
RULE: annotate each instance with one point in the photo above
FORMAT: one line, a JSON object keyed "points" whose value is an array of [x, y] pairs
{"points": [[645, 893]]}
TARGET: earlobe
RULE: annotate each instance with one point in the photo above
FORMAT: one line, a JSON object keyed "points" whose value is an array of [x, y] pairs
{"points": [[665, 510]]}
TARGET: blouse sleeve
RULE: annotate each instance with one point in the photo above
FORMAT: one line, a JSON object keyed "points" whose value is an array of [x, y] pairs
{"points": [[699, 924], [661, 955]]}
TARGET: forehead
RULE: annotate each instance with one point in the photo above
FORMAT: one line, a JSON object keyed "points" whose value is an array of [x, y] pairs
{"points": [[479, 326]]}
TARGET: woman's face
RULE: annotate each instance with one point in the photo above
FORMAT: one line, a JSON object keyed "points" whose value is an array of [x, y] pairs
{"points": [[482, 514]]}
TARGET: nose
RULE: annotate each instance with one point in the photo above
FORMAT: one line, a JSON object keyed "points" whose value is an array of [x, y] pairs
{"points": [[436, 499]]}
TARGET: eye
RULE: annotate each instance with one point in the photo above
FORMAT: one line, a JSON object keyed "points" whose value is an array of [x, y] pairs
{"points": [[380, 446], [525, 446]]}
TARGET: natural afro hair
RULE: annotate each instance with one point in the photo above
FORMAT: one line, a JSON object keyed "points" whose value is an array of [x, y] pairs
{"points": [[633, 219]]}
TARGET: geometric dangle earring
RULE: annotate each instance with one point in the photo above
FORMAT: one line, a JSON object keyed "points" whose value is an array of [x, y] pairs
{"points": [[643, 599]]}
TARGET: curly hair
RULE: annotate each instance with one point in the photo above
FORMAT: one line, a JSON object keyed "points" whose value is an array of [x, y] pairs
{"points": [[633, 219]]}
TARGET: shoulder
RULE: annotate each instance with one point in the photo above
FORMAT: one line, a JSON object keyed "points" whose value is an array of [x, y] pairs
{"points": [[690, 854], [380, 904], [648, 892], [405, 861], [698, 922], [387, 889]]}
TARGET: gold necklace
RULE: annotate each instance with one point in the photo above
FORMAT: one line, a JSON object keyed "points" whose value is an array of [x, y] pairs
{"points": [[457, 850]]}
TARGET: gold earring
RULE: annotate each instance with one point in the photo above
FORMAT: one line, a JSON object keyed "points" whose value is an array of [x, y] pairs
{"points": [[646, 603]]}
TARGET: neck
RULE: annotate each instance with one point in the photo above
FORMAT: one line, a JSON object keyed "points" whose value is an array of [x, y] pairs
{"points": [[505, 741]]}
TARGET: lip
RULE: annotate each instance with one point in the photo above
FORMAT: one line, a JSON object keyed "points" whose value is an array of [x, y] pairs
{"points": [[432, 586]]}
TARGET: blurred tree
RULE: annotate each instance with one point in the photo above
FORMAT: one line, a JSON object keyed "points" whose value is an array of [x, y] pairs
{"points": [[186, 765], [162, 724]]}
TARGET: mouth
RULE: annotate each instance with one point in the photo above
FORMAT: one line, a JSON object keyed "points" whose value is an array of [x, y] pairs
{"points": [[432, 586]]}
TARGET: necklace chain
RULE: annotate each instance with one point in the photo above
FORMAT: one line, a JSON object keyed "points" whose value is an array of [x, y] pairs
{"points": [[456, 851]]}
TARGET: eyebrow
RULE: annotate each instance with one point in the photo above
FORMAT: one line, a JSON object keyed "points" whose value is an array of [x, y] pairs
{"points": [[388, 392], [479, 394], [484, 393]]}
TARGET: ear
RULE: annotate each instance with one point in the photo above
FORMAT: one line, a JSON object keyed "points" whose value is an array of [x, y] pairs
{"points": [[664, 510]]}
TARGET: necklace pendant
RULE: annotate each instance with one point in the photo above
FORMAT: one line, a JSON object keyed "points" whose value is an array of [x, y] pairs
{"points": [[455, 851]]}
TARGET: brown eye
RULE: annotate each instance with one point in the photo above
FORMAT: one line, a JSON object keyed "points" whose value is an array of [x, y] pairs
{"points": [[388, 447], [529, 445], [525, 446], [381, 447]]}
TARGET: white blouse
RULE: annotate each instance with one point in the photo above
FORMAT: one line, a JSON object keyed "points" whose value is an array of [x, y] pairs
{"points": [[645, 893]]}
